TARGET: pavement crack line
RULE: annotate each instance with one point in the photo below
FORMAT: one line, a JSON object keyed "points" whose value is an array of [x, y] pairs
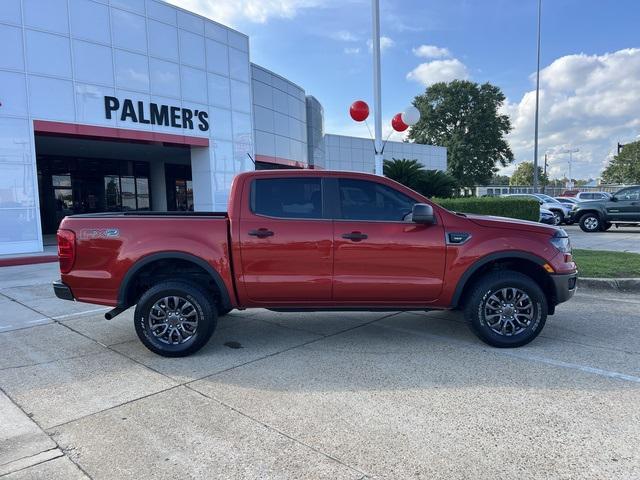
{"points": [[279, 432], [33, 464], [46, 433], [186, 383], [27, 456]]}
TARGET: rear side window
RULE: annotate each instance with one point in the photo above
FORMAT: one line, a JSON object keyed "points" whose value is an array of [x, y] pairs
{"points": [[629, 194], [364, 200], [287, 197]]}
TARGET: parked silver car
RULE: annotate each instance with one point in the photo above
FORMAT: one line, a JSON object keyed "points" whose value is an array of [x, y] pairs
{"points": [[586, 196], [560, 211]]}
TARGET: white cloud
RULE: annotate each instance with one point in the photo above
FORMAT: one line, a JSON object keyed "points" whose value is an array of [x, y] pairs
{"points": [[385, 43], [228, 12], [588, 102], [344, 36], [431, 51], [352, 50], [439, 71]]}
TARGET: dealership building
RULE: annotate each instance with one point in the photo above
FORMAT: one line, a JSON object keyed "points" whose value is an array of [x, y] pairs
{"points": [[112, 105]]}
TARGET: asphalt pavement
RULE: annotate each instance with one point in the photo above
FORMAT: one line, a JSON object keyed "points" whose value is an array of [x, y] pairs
{"points": [[316, 395], [624, 239]]}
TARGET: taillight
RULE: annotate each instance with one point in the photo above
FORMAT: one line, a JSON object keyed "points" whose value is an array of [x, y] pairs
{"points": [[66, 250]]}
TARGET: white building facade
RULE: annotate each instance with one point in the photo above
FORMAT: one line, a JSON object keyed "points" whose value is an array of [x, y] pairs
{"points": [[110, 105]]}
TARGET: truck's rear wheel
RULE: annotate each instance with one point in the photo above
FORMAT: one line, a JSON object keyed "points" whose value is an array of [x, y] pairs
{"points": [[506, 309], [175, 318], [590, 222]]}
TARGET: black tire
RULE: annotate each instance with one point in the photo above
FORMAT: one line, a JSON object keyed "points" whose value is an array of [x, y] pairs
{"points": [[481, 300], [171, 344], [559, 216], [223, 311], [590, 222], [606, 226]]}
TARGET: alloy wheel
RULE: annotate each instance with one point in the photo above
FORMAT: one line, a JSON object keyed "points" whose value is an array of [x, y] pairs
{"points": [[509, 311], [591, 223], [173, 320]]}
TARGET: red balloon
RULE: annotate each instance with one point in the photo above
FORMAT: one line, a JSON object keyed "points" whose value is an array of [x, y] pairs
{"points": [[397, 123], [359, 111]]}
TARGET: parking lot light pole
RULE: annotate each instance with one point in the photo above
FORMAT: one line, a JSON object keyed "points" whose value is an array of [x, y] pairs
{"points": [[535, 140], [570, 152]]}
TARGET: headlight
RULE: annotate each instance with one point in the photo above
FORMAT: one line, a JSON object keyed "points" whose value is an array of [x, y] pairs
{"points": [[561, 241]]}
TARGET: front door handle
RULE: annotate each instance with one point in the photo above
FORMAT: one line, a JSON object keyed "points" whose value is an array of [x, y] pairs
{"points": [[355, 236], [261, 233]]}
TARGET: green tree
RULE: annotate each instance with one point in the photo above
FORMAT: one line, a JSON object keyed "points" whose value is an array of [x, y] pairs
{"points": [[464, 117], [523, 175], [499, 180], [412, 174], [624, 167]]}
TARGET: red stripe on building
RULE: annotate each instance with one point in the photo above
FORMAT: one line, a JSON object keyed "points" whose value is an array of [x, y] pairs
{"points": [[108, 133]]}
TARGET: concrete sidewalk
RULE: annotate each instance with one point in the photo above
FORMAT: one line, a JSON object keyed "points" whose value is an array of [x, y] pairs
{"points": [[319, 395]]}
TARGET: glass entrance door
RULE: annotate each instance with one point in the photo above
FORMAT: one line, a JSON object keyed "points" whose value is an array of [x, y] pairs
{"points": [[71, 186], [179, 187]]}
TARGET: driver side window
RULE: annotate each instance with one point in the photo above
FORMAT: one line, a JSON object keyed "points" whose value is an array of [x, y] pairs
{"points": [[365, 200], [629, 194]]}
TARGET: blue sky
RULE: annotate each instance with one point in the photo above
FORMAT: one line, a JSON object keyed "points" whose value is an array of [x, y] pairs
{"points": [[590, 53]]}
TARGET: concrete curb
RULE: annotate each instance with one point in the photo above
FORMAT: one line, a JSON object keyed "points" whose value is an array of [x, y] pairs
{"points": [[621, 284]]}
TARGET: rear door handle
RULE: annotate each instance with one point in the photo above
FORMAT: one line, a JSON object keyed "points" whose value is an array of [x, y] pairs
{"points": [[261, 233], [355, 236]]}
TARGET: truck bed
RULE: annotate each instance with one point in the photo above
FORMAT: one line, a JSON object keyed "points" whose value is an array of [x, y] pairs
{"points": [[108, 245]]}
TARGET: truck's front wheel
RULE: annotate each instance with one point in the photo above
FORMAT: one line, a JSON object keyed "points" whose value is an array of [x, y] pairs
{"points": [[506, 309], [175, 318], [590, 222]]}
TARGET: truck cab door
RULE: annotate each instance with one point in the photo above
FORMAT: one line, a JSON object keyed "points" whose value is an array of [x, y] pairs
{"points": [[286, 244], [627, 205], [381, 258]]}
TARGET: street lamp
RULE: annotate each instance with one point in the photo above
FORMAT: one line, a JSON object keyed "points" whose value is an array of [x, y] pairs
{"points": [[535, 141], [570, 152]]}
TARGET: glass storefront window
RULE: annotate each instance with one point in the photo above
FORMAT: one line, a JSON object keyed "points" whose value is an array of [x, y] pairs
{"points": [[128, 189], [142, 193], [112, 192], [61, 180]]}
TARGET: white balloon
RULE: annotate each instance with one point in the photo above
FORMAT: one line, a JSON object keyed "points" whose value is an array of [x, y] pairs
{"points": [[411, 115]]}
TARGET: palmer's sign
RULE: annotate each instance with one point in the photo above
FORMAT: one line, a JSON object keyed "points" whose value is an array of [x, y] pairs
{"points": [[155, 114]]}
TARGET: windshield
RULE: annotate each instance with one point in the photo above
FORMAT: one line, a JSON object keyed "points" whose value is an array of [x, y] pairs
{"points": [[546, 198]]}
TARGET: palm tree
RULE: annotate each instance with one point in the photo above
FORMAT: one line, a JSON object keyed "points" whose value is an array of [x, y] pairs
{"points": [[435, 183], [406, 172], [412, 174]]}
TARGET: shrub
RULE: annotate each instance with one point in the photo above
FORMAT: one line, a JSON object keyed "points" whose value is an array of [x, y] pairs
{"points": [[502, 207]]}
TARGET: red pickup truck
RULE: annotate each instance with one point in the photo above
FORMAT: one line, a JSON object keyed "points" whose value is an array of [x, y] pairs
{"points": [[296, 240]]}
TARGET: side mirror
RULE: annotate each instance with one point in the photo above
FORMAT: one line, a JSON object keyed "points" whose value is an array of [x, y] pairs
{"points": [[423, 214], [614, 198]]}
